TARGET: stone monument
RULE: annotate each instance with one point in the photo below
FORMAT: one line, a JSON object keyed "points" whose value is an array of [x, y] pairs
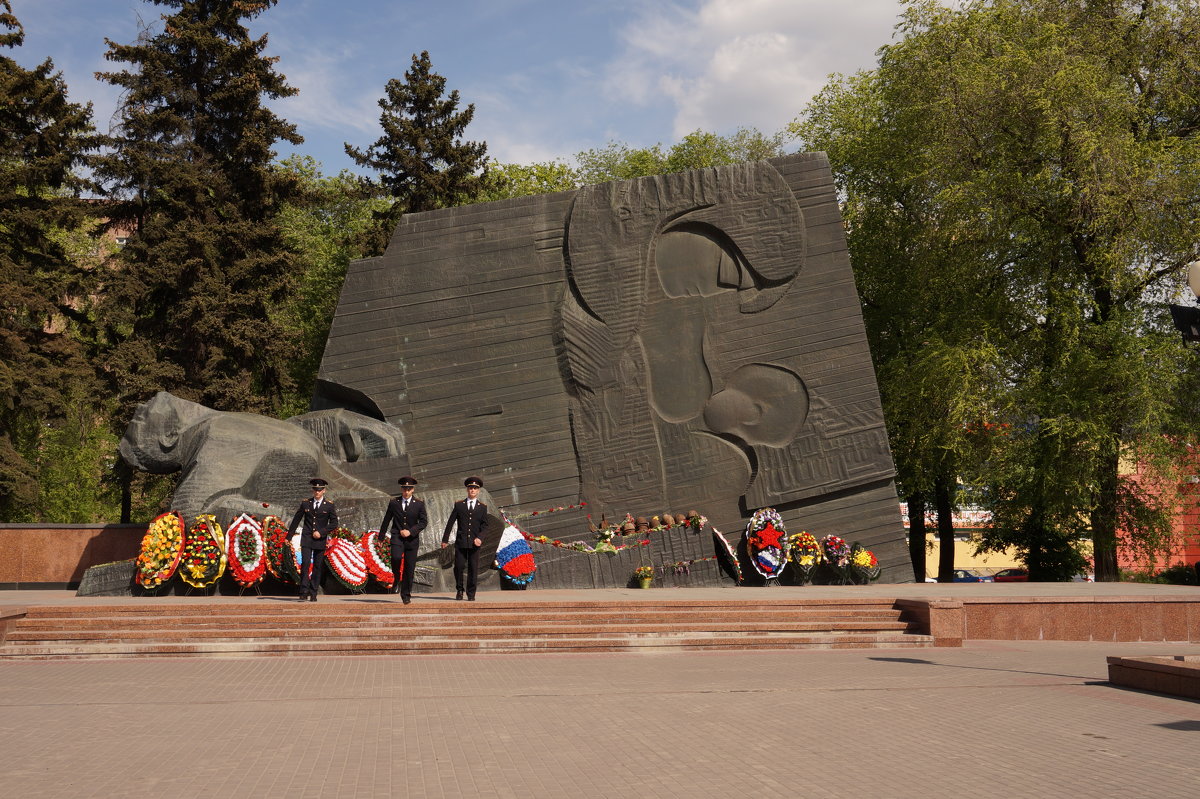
{"points": [[653, 345]]}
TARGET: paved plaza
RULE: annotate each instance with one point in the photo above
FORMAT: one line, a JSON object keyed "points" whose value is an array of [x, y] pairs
{"points": [[1003, 719]]}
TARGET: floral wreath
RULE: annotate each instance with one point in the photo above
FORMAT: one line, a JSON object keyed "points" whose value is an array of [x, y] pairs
{"points": [[377, 554], [162, 547], [730, 553], [346, 560], [836, 551], [514, 557], [203, 560], [766, 542], [246, 550], [804, 550], [282, 557]]}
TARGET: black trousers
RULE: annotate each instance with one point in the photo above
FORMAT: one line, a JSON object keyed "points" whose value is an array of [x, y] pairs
{"points": [[468, 557], [404, 565], [310, 582]]}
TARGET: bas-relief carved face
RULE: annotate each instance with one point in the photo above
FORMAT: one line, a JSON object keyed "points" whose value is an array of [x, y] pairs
{"points": [[759, 403], [669, 286]]}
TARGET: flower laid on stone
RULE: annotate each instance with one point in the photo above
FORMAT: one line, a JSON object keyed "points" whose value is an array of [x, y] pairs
{"points": [[246, 550], [203, 560], [162, 547]]}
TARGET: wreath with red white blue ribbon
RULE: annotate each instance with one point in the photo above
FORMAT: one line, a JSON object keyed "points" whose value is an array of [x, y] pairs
{"points": [[514, 557]]}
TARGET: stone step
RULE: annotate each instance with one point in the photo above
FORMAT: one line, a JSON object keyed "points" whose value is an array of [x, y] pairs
{"points": [[411, 618], [384, 626], [22, 636], [472, 646], [381, 604]]}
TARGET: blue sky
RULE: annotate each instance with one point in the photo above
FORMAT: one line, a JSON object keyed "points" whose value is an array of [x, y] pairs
{"points": [[548, 77]]}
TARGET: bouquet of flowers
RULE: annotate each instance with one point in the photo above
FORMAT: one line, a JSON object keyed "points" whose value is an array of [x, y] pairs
{"points": [[281, 557], [162, 547], [766, 542], [203, 560], [864, 565], [837, 557], [247, 552], [804, 553], [644, 572], [377, 554], [346, 560]]}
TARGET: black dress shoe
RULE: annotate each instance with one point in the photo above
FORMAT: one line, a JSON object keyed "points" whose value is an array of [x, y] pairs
{"points": [[303, 598], [459, 595], [312, 597], [470, 599], [407, 600]]}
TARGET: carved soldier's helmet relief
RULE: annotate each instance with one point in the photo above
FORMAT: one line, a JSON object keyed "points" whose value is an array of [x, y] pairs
{"points": [[669, 278]]}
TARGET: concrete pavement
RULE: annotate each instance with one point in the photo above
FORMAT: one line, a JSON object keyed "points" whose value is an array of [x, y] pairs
{"points": [[1003, 719]]}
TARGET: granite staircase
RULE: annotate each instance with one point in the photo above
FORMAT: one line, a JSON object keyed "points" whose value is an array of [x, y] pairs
{"points": [[375, 626]]}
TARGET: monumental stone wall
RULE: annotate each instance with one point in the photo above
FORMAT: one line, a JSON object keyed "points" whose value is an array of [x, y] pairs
{"points": [[689, 341]]}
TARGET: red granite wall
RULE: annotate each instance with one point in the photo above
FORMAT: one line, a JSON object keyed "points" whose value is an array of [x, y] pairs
{"points": [[44, 556]]}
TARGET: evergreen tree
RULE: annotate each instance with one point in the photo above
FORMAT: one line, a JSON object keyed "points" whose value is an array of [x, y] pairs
{"points": [[191, 306], [43, 363], [421, 159]]}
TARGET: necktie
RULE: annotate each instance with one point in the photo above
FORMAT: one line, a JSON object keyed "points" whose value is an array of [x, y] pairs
{"points": [[316, 504], [471, 505], [404, 504]]}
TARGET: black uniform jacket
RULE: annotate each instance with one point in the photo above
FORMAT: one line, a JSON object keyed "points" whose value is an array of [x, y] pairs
{"points": [[324, 520], [398, 518], [471, 525]]}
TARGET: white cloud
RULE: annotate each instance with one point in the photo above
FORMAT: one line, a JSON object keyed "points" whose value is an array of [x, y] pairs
{"points": [[724, 64]]}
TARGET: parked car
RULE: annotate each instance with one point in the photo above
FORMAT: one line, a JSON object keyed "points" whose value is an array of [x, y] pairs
{"points": [[968, 576], [1012, 576]]}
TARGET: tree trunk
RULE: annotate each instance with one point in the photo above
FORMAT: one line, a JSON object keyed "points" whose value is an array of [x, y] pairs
{"points": [[1104, 520], [916, 534], [943, 491]]}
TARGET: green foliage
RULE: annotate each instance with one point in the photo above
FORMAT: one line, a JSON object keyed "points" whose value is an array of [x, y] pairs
{"points": [[518, 180], [189, 308], [325, 225], [696, 150], [1022, 180], [43, 320], [421, 159]]}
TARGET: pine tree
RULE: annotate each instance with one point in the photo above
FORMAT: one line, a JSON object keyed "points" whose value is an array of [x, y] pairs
{"points": [[190, 307], [422, 161], [43, 365]]}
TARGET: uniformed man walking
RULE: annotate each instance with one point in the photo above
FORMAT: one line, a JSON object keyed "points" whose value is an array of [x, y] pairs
{"points": [[403, 522], [319, 518], [470, 517]]}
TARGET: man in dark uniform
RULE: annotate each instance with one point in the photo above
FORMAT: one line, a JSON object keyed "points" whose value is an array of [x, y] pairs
{"points": [[319, 517], [406, 518], [470, 516]]}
